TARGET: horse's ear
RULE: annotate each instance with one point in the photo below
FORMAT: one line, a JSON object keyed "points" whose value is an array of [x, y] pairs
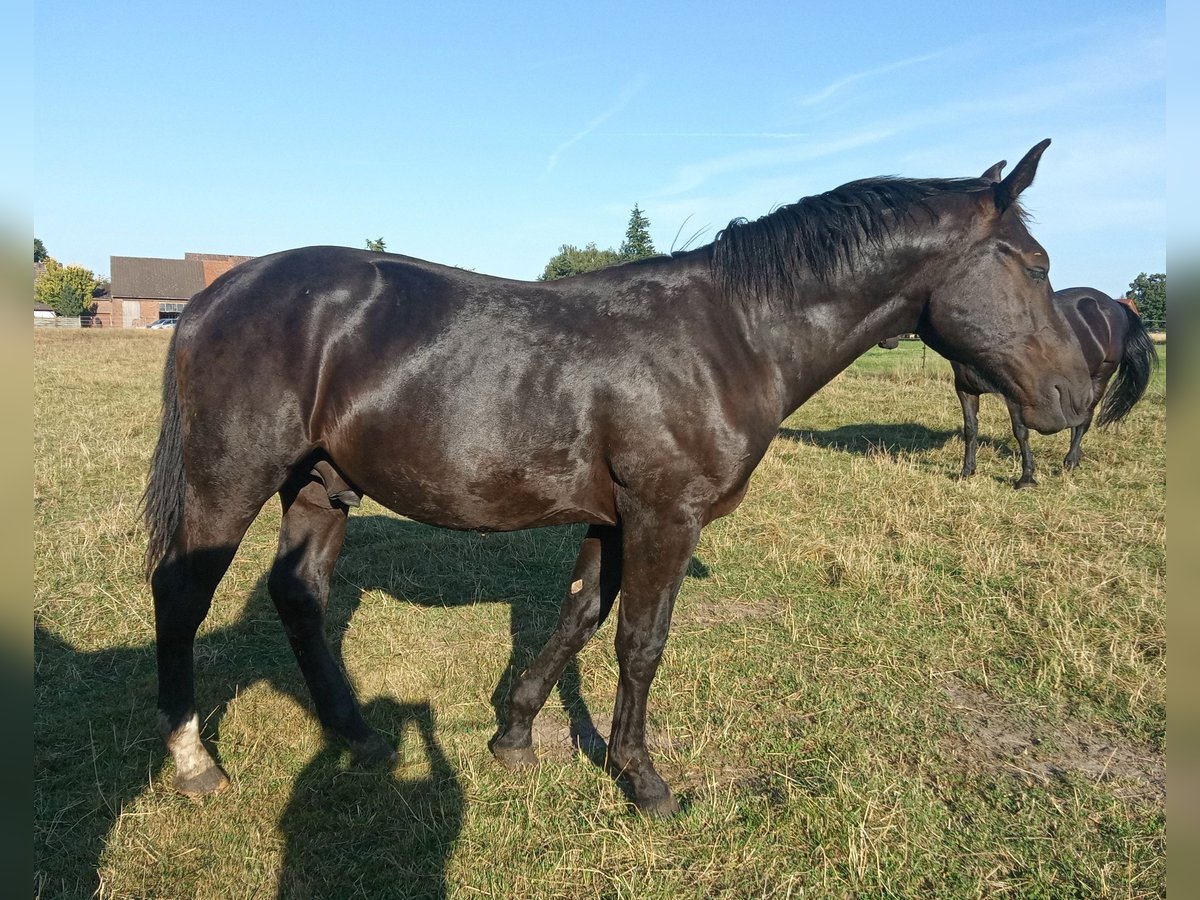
{"points": [[993, 174], [1008, 190]]}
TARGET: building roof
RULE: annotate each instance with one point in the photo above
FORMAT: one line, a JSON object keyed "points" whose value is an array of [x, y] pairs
{"points": [[147, 278]]}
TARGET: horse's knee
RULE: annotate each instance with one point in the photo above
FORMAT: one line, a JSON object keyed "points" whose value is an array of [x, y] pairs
{"points": [[526, 695], [179, 607], [183, 585], [281, 583], [584, 626], [294, 597]]}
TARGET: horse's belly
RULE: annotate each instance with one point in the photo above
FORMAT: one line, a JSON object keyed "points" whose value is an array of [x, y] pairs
{"points": [[514, 512], [491, 497]]}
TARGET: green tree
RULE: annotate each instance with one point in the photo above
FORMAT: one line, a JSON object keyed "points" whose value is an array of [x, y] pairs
{"points": [[377, 245], [39, 250], [637, 244], [571, 260], [67, 290], [1149, 292]]}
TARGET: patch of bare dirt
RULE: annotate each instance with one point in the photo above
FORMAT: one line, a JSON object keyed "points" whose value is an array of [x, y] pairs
{"points": [[997, 738], [555, 737]]}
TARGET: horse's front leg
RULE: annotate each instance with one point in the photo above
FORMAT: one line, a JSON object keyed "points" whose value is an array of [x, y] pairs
{"points": [[1021, 433], [657, 550], [595, 581], [970, 408], [1071, 460]]}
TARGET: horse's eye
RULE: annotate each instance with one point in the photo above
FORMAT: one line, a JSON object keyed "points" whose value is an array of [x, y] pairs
{"points": [[1037, 273]]}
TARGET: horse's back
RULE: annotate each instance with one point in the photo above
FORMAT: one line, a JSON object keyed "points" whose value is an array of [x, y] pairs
{"points": [[290, 288], [462, 399], [1100, 324], [402, 372]]}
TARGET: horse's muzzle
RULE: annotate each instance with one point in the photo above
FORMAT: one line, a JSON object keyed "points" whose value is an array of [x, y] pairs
{"points": [[1065, 406]]}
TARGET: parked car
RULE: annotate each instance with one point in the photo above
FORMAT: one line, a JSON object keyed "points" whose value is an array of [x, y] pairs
{"points": [[162, 323]]}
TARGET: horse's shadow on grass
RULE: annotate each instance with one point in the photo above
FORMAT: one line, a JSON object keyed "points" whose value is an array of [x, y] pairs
{"points": [[888, 438], [872, 437], [95, 747], [392, 833]]}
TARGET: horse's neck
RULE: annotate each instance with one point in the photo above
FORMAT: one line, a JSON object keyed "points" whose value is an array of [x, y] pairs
{"points": [[821, 336]]}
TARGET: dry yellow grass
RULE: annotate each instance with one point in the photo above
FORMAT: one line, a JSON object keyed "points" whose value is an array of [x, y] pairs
{"points": [[879, 681]]}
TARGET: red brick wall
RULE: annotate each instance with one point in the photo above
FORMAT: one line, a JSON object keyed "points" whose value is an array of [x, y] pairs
{"points": [[112, 313], [102, 315], [216, 265], [147, 312], [215, 268]]}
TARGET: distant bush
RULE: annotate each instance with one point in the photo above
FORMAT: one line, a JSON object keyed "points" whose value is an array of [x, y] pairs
{"points": [[1149, 292], [571, 260], [68, 290]]}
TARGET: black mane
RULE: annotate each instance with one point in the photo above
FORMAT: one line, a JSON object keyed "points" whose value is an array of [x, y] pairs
{"points": [[820, 235]]}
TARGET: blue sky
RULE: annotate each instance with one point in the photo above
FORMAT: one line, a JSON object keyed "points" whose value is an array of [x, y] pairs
{"points": [[486, 137]]}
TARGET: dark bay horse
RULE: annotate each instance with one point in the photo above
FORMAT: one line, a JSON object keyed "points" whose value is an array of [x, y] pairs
{"points": [[637, 399], [1113, 340]]}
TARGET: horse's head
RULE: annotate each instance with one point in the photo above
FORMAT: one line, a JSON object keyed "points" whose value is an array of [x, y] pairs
{"points": [[990, 304]]}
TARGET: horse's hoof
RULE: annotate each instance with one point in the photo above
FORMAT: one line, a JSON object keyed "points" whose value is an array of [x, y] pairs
{"points": [[661, 807], [515, 758], [963, 476], [209, 781], [1024, 483], [372, 753]]}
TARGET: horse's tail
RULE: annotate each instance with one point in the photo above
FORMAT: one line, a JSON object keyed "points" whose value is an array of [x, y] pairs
{"points": [[162, 503], [1138, 361]]}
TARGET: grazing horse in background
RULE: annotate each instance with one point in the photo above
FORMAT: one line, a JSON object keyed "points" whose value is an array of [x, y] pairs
{"points": [[636, 399], [1113, 339]]}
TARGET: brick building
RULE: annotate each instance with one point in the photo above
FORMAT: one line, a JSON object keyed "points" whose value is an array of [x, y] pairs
{"points": [[144, 289]]}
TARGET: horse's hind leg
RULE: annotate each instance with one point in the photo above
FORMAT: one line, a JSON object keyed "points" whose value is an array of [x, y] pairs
{"points": [[595, 582], [183, 584], [314, 526]]}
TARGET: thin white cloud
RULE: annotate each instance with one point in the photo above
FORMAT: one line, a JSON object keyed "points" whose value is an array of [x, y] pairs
{"points": [[768, 135], [628, 94], [830, 89], [692, 176], [1063, 84]]}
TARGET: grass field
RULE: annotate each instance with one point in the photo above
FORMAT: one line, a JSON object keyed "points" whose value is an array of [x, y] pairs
{"points": [[879, 682]]}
